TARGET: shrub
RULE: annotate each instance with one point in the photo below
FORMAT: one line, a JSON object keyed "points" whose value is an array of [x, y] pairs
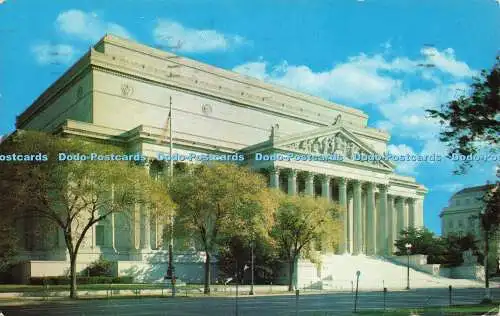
{"points": [[98, 268]]}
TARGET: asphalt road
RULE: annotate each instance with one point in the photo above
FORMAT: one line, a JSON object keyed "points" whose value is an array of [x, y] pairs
{"points": [[314, 304]]}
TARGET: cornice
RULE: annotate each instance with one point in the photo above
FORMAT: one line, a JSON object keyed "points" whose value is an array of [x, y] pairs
{"points": [[228, 75], [142, 133], [118, 67], [80, 68]]}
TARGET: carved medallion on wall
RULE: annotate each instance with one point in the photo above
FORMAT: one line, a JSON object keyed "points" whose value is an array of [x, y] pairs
{"points": [[127, 90], [206, 109]]}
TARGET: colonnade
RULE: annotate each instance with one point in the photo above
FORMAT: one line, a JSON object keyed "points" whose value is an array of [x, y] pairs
{"points": [[372, 217], [371, 220]]}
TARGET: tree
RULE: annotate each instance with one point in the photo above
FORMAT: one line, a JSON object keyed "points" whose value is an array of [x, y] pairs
{"points": [[490, 222], [236, 250], [474, 119], [74, 195], [439, 250], [423, 242], [304, 224], [8, 244], [218, 201]]}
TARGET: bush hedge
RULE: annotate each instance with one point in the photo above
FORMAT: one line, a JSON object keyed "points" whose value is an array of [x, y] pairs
{"points": [[63, 280]]}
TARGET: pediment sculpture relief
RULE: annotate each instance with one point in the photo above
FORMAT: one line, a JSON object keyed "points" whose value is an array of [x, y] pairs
{"points": [[332, 144], [336, 144]]}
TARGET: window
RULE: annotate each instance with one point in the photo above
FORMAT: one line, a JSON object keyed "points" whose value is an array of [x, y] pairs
{"points": [[457, 202], [99, 235], [467, 201]]}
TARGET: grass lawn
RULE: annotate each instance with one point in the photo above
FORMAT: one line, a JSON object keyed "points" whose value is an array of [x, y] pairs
{"points": [[447, 310]]}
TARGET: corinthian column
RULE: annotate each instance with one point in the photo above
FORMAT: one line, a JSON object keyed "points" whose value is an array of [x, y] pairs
{"points": [[146, 219], [400, 210], [391, 225], [274, 174], [383, 221], [292, 182], [345, 215], [310, 183], [325, 187], [412, 213], [358, 221], [371, 235]]}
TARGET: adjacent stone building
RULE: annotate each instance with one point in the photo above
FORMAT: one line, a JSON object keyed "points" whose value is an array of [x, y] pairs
{"points": [[461, 216]]}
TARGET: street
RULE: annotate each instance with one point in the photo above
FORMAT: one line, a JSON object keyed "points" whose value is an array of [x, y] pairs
{"points": [[313, 304]]}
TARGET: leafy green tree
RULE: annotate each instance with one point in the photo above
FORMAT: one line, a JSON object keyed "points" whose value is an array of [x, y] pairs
{"points": [[218, 201], [303, 225], [8, 244], [472, 119], [74, 195], [447, 250], [490, 222], [236, 254], [423, 242]]}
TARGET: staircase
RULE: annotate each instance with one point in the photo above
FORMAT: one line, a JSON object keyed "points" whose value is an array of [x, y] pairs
{"points": [[338, 272]]}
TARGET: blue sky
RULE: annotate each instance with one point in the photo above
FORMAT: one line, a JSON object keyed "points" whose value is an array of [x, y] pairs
{"points": [[364, 54]]}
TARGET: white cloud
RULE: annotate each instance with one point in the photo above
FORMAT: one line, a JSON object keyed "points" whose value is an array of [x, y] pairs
{"points": [[46, 53], [191, 40], [342, 82], [378, 80], [446, 62], [407, 111], [87, 25], [407, 166]]}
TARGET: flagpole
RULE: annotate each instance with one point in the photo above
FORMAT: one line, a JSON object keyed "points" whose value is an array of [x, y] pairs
{"points": [[171, 174], [171, 143]]}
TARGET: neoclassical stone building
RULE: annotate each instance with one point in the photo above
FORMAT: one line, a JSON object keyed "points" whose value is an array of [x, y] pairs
{"points": [[461, 216], [120, 91]]}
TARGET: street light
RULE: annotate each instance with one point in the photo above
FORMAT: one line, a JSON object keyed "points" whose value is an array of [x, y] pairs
{"points": [[408, 248], [252, 245]]}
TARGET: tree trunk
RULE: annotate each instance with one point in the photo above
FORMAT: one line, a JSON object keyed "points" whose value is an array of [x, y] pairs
{"points": [[486, 264], [207, 274], [72, 288], [291, 268]]}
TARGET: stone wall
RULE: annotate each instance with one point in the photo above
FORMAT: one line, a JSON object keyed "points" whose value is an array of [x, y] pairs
{"points": [[468, 270]]}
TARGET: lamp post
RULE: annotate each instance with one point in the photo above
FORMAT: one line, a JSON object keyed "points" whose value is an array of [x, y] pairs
{"points": [[252, 267], [408, 248]]}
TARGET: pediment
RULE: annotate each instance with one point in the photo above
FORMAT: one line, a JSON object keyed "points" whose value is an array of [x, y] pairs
{"points": [[332, 140]]}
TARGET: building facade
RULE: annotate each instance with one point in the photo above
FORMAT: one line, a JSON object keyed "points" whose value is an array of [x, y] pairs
{"points": [[461, 216], [120, 91]]}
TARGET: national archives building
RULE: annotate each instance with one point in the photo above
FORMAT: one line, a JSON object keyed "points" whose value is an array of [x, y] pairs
{"points": [[120, 91]]}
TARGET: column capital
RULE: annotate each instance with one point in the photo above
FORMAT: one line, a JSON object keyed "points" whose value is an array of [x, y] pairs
{"points": [[399, 199], [370, 186], [325, 177], [292, 172], [356, 183], [383, 187], [310, 176], [342, 181], [274, 169]]}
